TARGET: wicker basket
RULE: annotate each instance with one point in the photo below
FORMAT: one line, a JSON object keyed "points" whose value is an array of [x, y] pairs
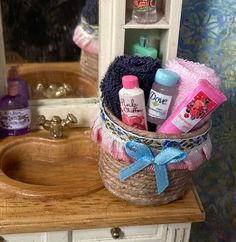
{"points": [[140, 188], [89, 63]]}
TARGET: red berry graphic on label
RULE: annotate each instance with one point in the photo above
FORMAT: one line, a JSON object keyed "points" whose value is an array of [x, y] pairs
{"points": [[186, 115], [199, 103]]}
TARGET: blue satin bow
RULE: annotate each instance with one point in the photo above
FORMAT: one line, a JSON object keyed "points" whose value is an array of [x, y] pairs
{"points": [[144, 157]]}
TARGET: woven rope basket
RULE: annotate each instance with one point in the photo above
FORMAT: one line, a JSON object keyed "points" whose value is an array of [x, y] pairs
{"points": [[141, 188], [89, 63]]}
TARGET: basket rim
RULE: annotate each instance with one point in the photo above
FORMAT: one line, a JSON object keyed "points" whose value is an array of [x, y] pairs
{"points": [[156, 135]]}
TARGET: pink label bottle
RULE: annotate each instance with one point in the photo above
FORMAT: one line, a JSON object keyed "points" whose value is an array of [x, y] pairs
{"points": [[132, 102]]}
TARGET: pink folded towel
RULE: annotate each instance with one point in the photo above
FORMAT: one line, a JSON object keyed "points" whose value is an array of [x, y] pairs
{"points": [[190, 72]]}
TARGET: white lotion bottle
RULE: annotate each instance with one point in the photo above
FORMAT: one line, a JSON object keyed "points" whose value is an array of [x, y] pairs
{"points": [[132, 103]]}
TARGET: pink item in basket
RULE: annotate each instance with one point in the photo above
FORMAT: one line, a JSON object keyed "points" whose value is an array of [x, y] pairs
{"points": [[199, 104], [86, 37], [106, 141], [190, 73], [133, 110]]}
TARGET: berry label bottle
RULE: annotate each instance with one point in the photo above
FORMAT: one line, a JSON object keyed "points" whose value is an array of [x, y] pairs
{"points": [[193, 112]]}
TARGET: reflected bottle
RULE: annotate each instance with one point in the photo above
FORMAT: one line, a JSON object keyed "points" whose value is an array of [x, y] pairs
{"points": [[14, 111], [145, 11]]}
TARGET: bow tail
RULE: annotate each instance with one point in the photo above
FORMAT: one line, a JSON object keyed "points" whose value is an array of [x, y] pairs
{"points": [[161, 178]]}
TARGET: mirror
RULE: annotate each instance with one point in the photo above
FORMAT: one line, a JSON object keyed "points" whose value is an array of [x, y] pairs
{"points": [[53, 45]]}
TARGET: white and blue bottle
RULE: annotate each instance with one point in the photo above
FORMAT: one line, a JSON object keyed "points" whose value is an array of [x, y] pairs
{"points": [[161, 96]]}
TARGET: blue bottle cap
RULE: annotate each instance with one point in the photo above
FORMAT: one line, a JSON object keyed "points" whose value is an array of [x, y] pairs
{"points": [[166, 77]]}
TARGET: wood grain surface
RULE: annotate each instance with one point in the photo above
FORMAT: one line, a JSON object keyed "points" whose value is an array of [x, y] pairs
{"points": [[92, 210], [38, 166]]}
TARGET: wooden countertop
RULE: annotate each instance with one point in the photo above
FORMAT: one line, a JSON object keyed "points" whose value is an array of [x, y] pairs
{"points": [[93, 210], [100, 209]]}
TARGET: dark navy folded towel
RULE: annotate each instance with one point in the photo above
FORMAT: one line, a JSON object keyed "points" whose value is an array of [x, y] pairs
{"points": [[142, 67]]}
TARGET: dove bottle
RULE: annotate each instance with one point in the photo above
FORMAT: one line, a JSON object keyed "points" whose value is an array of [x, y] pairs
{"points": [[161, 96]]}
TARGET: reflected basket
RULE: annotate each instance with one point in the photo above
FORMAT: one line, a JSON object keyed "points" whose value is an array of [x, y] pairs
{"points": [[89, 63]]}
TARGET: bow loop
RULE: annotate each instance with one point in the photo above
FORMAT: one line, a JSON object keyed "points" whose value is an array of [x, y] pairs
{"points": [[137, 150], [169, 155], [144, 157]]}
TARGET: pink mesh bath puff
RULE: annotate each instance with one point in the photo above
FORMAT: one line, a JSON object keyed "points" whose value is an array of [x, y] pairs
{"points": [[86, 37], [190, 73]]}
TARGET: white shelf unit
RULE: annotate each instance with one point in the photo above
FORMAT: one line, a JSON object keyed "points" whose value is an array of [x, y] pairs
{"points": [[116, 31]]}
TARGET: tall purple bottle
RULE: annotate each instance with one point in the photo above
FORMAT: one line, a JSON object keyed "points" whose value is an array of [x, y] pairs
{"points": [[14, 112]]}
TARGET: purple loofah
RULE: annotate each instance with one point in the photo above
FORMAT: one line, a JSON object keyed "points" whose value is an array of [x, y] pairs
{"points": [[142, 67]]}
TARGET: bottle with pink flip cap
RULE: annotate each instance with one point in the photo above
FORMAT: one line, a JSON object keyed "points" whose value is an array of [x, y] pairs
{"points": [[132, 102]]}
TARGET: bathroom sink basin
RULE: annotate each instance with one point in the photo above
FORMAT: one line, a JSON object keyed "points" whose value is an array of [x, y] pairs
{"points": [[38, 166], [58, 74]]}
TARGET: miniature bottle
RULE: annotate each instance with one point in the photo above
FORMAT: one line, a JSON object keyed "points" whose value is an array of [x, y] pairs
{"points": [[133, 111], [198, 105], [24, 88], [14, 112], [143, 49], [145, 11], [161, 96]]}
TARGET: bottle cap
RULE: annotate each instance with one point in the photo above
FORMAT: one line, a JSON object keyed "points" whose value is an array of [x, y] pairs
{"points": [[130, 81], [144, 40], [166, 77]]}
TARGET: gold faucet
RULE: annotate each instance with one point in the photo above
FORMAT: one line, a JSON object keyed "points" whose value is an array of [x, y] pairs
{"points": [[56, 125]]}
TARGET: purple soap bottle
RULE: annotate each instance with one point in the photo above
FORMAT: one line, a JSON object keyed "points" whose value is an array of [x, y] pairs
{"points": [[14, 76], [14, 112]]}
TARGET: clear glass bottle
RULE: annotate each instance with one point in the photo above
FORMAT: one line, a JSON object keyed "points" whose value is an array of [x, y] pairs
{"points": [[161, 96], [145, 11], [14, 111]]}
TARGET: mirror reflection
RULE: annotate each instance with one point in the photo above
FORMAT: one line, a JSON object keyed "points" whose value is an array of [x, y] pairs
{"points": [[52, 46]]}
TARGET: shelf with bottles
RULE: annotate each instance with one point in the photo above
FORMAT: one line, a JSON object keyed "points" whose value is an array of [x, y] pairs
{"points": [[158, 39], [132, 37], [116, 27]]}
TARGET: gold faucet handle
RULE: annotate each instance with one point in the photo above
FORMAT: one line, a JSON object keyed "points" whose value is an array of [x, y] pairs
{"points": [[56, 125], [43, 122], [70, 119], [41, 119]]}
